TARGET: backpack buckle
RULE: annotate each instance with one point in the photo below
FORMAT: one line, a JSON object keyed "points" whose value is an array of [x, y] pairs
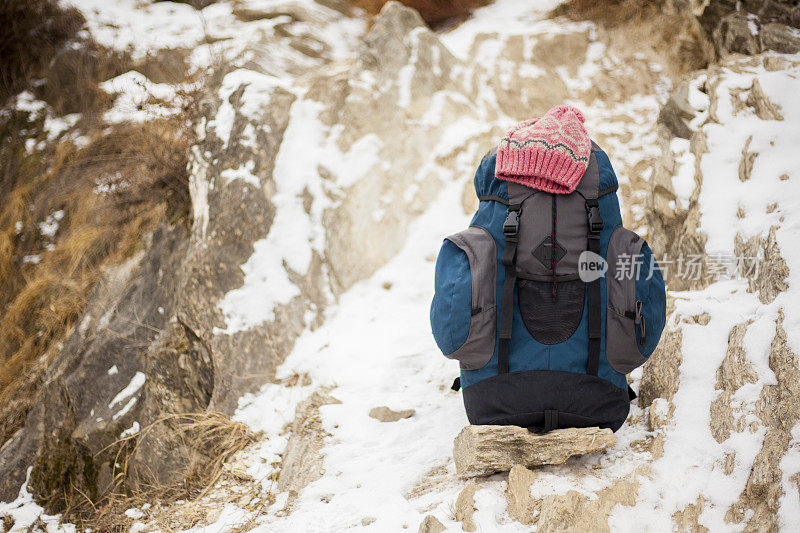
{"points": [[593, 215], [511, 225]]}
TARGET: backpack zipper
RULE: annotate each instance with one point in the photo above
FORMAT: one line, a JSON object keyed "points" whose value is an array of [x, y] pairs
{"points": [[639, 321]]}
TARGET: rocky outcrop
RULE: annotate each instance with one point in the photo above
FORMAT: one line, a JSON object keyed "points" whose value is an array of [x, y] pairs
{"points": [[483, 450], [753, 386], [571, 511], [778, 412], [302, 460], [171, 332], [752, 27], [307, 170]]}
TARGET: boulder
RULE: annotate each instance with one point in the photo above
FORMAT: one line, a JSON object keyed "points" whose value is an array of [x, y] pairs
{"points": [[783, 11], [431, 524], [781, 38], [733, 35], [677, 112], [712, 12], [384, 414], [661, 372], [484, 450]]}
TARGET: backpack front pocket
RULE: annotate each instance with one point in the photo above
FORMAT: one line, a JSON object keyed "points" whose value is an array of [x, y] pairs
{"points": [[636, 310], [463, 312]]}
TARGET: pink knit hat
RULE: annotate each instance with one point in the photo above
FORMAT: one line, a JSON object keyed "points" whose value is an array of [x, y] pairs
{"points": [[550, 154]]}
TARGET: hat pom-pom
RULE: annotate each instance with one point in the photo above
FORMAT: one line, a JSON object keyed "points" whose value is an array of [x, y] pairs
{"points": [[561, 110]]}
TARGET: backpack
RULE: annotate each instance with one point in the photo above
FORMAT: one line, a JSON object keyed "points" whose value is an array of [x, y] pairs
{"points": [[547, 302]]}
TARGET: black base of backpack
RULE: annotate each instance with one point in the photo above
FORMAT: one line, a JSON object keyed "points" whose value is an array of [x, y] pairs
{"points": [[542, 400]]}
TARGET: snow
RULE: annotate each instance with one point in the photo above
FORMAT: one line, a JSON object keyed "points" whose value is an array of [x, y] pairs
{"points": [[214, 34], [124, 411], [502, 17], [26, 513], [49, 227], [131, 431], [370, 361], [132, 388], [139, 99], [134, 513], [257, 90], [691, 464], [294, 234], [406, 75], [243, 172], [53, 125]]}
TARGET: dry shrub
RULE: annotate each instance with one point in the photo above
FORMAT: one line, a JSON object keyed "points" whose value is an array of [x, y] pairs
{"points": [[214, 439], [611, 12], [33, 30], [433, 12], [70, 83], [672, 33], [111, 192], [40, 40]]}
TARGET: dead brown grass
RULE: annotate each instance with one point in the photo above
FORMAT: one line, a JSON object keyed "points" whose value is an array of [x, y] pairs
{"points": [[610, 12], [142, 168], [673, 34], [214, 438], [33, 30], [433, 12], [40, 40]]}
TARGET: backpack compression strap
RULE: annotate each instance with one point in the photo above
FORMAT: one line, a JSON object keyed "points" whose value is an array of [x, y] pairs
{"points": [[594, 318], [511, 232]]}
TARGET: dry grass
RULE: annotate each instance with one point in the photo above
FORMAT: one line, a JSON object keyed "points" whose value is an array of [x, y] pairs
{"points": [[33, 30], [433, 12], [214, 439], [143, 166], [40, 41], [610, 12], [675, 35]]}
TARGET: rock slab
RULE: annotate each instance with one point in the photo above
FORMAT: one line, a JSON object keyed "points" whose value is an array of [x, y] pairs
{"points": [[384, 414], [431, 525], [484, 450], [465, 507], [521, 503]]}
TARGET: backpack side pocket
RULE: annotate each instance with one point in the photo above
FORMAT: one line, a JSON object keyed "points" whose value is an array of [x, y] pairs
{"points": [[636, 303], [463, 312]]}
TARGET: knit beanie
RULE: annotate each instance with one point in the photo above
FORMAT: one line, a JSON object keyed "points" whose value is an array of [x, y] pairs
{"points": [[550, 153]]}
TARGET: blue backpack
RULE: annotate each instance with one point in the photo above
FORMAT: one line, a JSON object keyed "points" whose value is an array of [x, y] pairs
{"points": [[547, 302]]}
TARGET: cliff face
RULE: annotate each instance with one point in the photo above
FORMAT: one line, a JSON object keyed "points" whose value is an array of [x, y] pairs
{"points": [[326, 163]]}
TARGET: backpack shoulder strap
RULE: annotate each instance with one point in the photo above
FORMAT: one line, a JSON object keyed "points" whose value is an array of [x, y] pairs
{"points": [[589, 186], [517, 195]]}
